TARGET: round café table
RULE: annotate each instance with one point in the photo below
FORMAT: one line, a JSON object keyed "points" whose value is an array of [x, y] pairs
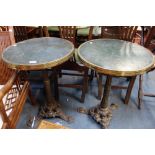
{"points": [[113, 57], [40, 54]]}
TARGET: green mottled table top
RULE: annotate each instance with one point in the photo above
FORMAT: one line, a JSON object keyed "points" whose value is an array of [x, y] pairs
{"points": [[116, 57], [38, 53]]}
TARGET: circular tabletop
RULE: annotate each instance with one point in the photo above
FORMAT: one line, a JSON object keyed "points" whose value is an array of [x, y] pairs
{"points": [[115, 57], [38, 53]]}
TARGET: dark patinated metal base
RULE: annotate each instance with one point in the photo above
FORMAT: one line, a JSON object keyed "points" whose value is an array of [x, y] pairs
{"points": [[52, 111], [100, 115], [51, 108]]}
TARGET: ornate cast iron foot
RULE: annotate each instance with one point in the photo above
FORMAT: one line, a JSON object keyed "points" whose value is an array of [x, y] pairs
{"points": [[101, 115], [52, 111], [51, 108]]}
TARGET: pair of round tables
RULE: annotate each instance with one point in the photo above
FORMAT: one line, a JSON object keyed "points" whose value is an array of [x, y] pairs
{"points": [[111, 57]]}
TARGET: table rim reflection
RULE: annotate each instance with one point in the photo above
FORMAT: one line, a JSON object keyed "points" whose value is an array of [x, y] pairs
{"points": [[113, 72], [39, 66]]}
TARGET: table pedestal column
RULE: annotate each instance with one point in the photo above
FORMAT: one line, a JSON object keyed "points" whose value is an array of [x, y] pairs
{"points": [[51, 108], [103, 113]]}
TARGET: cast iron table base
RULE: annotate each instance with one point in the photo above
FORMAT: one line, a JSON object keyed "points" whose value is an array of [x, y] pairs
{"points": [[102, 114], [52, 108], [52, 111]]}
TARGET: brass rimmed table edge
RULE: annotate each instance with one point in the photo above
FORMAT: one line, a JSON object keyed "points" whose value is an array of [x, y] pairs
{"points": [[43, 65], [114, 72], [39, 66]]}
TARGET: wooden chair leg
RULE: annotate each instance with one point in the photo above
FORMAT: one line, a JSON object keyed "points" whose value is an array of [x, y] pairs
{"points": [[91, 75], [100, 87], [31, 97], [129, 89], [54, 83], [85, 86], [56, 89], [60, 73], [140, 91], [87, 80]]}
